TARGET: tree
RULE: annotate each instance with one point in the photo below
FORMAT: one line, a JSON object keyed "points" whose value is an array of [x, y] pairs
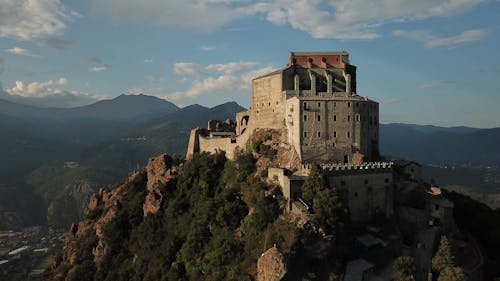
{"points": [[452, 274], [443, 257], [403, 268], [313, 184], [329, 211]]}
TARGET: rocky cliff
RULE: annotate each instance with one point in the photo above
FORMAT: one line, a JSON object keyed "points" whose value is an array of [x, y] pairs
{"points": [[205, 219]]}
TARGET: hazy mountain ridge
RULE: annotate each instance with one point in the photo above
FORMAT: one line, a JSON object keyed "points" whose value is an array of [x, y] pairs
{"points": [[458, 145], [112, 144]]}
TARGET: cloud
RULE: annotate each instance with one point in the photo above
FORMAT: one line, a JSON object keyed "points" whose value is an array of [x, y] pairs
{"points": [[187, 68], [433, 41], [148, 61], [97, 68], [37, 89], [207, 48], [48, 94], [232, 67], [353, 19], [210, 84], [339, 19], [206, 15], [391, 101], [29, 19], [58, 44], [155, 78], [21, 52], [232, 76], [147, 91]]}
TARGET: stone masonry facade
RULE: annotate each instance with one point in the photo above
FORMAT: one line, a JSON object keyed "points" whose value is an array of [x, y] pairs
{"points": [[314, 102]]}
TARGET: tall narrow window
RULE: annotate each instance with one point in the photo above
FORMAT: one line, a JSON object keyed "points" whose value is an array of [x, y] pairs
{"points": [[348, 134], [348, 104], [319, 117], [305, 117], [319, 134], [305, 134], [305, 105], [348, 118], [319, 104], [334, 134]]}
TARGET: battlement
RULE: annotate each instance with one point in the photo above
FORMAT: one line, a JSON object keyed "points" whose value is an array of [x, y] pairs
{"points": [[348, 168]]}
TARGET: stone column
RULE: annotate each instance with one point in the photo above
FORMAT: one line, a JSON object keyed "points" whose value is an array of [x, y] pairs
{"points": [[313, 82]]}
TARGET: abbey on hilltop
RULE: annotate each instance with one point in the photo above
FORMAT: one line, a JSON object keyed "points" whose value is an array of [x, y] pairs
{"points": [[314, 100], [313, 105]]}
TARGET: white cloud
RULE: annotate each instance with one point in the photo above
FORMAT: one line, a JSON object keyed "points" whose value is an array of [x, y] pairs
{"points": [[187, 68], [353, 19], [208, 85], [340, 19], [31, 19], [37, 89], [467, 36], [231, 67], [232, 76], [207, 48], [97, 68], [147, 91], [48, 94], [433, 41], [155, 78], [148, 61], [21, 52]]}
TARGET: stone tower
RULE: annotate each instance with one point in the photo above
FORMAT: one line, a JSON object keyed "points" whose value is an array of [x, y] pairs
{"points": [[314, 100]]}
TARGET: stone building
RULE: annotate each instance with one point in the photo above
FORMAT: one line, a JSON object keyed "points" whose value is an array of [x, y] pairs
{"points": [[314, 99], [313, 102]]}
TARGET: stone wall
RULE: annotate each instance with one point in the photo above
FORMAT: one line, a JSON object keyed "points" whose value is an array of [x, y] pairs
{"points": [[267, 110]]}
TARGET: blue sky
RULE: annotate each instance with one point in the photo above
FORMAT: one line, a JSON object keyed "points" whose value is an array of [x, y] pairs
{"points": [[426, 62]]}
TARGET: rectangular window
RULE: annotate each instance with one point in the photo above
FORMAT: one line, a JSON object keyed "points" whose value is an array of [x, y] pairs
{"points": [[319, 104], [305, 134], [305, 117], [334, 117], [305, 105], [334, 134], [319, 134], [348, 134], [319, 117], [348, 104], [348, 118]]}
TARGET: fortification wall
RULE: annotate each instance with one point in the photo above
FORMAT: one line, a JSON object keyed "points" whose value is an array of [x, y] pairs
{"points": [[333, 128], [267, 110], [367, 188]]}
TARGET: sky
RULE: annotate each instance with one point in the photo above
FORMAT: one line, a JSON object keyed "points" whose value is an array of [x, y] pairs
{"points": [[426, 62]]}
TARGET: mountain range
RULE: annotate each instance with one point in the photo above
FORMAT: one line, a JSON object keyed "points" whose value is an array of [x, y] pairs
{"points": [[61, 156]]}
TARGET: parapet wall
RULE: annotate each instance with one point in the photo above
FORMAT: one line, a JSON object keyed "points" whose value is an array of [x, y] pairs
{"points": [[363, 168]]}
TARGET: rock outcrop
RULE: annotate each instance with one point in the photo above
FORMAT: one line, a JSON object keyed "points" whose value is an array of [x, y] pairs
{"points": [[271, 265], [160, 171]]}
